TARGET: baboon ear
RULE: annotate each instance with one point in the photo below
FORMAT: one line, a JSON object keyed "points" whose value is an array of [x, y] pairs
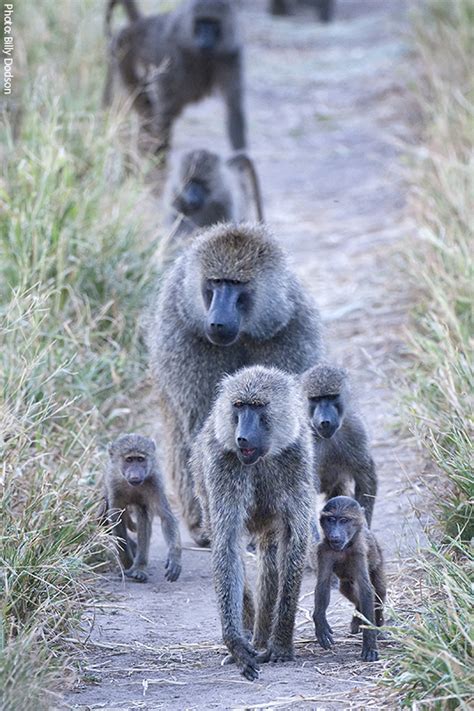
{"points": [[153, 445], [110, 449]]}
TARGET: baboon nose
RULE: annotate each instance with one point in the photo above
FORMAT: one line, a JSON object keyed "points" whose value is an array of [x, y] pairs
{"points": [[242, 441], [325, 424], [217, 326]]}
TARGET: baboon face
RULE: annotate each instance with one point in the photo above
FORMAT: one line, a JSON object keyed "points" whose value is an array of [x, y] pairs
{"points": [[257, 413], [198, 170], [251, 430], [134, 457], [341, 518], [211, 26], [237, 284], [192, 197], [326, 413], [226, 302]]}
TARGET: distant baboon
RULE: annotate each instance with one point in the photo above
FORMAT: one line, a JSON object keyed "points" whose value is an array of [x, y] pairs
{"points": [[134, 485], [324, 8], [204, 189], [230, 301], [170, 60], [340, 437], [351, 551], [252, 462]]}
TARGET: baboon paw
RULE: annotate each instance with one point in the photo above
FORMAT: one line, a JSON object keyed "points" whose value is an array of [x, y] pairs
{"points": [[324, 636], [276, 654], [173, 570], [355, 626], [228, 659], [369, 655], [244, 655], [137, 574]]}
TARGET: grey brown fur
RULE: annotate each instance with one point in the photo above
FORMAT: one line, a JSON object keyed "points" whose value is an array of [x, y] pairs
{"points": [[164, 69], [324, 8], [280, 328], [144, 498], [352, 552], [271, 499], [344, 459], [204, 189]]}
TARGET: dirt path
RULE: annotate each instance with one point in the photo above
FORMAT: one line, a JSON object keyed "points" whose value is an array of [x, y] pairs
{"points": [[325, 112]]}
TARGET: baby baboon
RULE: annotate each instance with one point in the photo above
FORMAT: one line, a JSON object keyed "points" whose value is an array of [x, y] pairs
{"points": [[169, 60], [351, 551], [229, 301], [253, 466], [323, 8], [134, 485], [205, 190], [341, 446]]}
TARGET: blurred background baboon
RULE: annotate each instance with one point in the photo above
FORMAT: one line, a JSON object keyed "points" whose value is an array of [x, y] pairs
{"points": [[230, 301], [204, 189], [170, 60], [134, 485], [253, 466]]}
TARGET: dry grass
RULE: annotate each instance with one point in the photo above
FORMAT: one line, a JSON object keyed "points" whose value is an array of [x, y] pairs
{"points": [[76, 271], [434, 669]]}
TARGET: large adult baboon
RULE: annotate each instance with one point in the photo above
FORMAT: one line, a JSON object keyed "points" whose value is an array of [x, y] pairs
{"points": [[170, 60], [230, 301], [253, 468]]}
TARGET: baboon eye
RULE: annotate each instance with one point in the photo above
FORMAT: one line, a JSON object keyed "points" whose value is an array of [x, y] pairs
{"points": [[331, 519], [239, 403], [140, 459], [343, 520]]}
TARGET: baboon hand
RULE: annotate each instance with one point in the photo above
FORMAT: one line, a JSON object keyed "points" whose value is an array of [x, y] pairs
{"points": [[323, 633], [277, 652], [173, 569], [369, 654], [245, 656], [137, 574]]}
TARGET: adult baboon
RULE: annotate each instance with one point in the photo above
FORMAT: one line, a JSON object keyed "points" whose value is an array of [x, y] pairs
{"points": [[170, 60], [134, 485], [253, 467], [351, 551], [205, 189], [230, 301], [324, 8], [340, 438]]}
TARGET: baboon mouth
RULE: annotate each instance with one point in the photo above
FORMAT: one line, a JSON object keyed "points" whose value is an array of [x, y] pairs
{"points": [[248, 452], [135, 482], [248, 455]]}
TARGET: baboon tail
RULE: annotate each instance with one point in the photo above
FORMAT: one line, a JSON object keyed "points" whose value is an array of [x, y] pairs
{"points": [[130, 7], [241, 160]]}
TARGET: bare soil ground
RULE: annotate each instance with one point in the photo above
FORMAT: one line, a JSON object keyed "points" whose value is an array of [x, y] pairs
{"points": [[326, 110]]}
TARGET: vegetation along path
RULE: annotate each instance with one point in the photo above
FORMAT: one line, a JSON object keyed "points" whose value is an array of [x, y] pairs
{"points": [[326, 107]]}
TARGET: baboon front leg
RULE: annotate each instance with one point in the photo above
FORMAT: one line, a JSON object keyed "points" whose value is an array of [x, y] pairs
{"points": [[125, 544], [229, 583], [144, 525], [322, 596], [267, 590], [170, 528], [230, 82], [380, 591], [292, 549], [366, 607]]}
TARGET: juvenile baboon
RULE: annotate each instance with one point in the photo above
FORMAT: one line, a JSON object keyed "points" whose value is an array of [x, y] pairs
{"points": [[134, 486], [173, 59], [341, 445], [351, 551], [253, 467], [324, 8], [229, 301], [205, 189]]}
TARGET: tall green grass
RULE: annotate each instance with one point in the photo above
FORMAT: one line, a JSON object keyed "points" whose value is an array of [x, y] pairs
{"points": [[435, 669], [76, 270]]}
